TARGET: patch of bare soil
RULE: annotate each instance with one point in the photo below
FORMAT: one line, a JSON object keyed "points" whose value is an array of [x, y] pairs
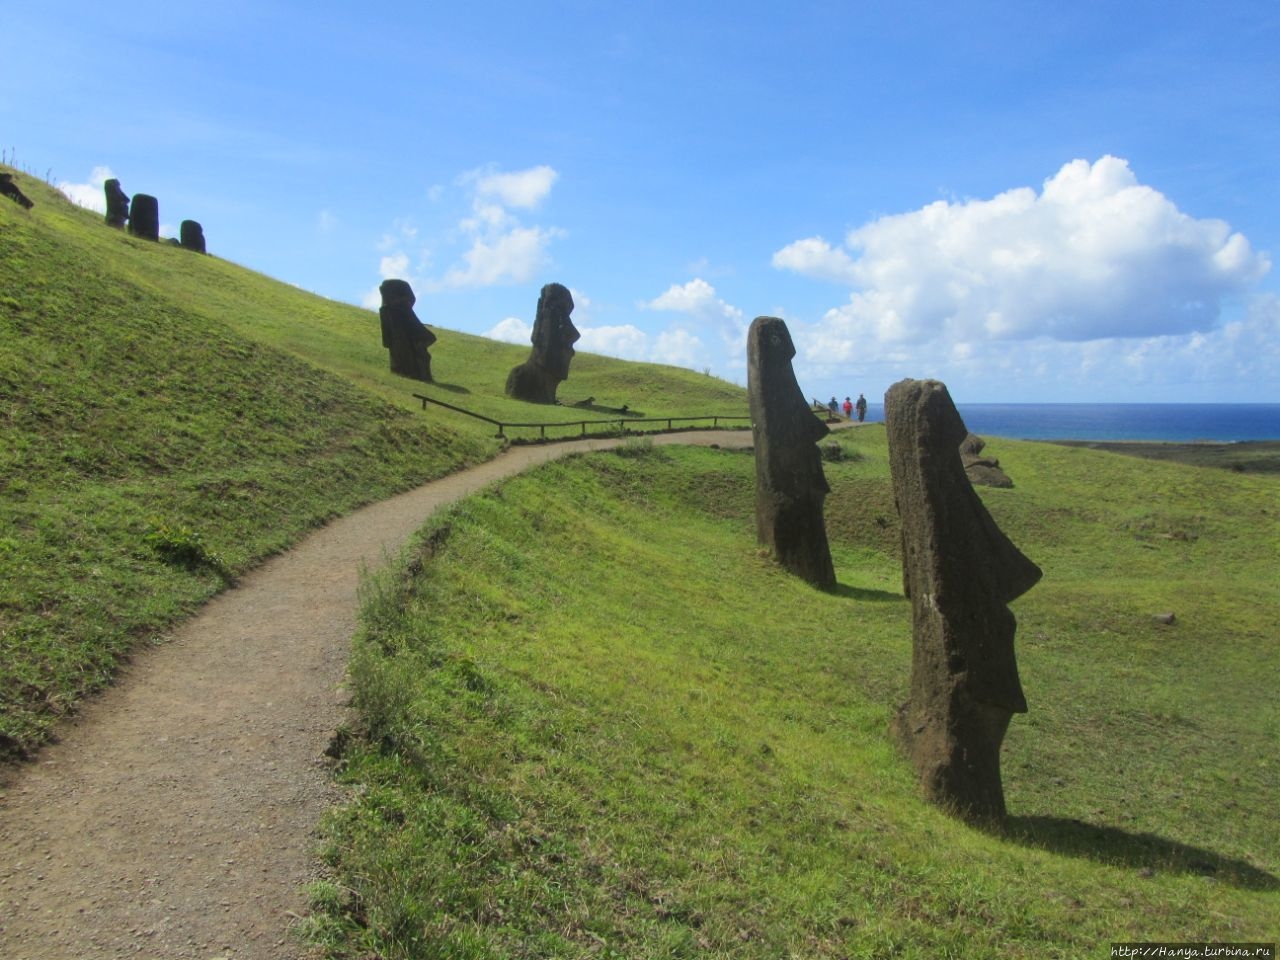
{"points": [[176, 817]]}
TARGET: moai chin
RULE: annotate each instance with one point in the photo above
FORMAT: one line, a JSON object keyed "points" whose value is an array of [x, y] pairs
{"points": [[537, 379], [790, 485], [117, 204], [960, 573], [403, 334]]}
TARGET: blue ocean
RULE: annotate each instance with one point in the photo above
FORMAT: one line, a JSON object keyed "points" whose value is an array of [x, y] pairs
{"points": [[1169, 422]]}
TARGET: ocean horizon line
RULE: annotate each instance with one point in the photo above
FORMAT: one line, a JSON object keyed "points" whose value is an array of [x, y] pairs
{"points": [[1169, 422]]}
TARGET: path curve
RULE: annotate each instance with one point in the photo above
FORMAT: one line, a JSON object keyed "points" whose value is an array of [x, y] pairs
{"points": [[177, 816]]}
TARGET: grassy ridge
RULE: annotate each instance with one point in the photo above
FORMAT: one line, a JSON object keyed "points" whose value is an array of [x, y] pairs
{"points": [[168, 419], [550, 765]]}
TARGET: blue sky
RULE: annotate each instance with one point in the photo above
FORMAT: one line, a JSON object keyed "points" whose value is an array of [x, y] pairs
{"points": [[1029, 201]]}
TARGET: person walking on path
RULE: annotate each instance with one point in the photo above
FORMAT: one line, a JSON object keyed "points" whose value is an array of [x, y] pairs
{"points": [[847, 406], [862, 407]]}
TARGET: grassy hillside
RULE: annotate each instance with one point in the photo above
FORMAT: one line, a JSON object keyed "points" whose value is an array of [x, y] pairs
{"points": [[170, 419], [598, 722]]}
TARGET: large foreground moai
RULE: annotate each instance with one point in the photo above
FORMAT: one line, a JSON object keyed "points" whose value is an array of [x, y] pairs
{"points": [[407, 337], [554, 335], [790, 485], [117, 204], [960, 572], [144, 217]]}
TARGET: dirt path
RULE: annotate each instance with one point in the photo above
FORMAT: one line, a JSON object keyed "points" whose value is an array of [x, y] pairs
{"points": [[177, 816]]}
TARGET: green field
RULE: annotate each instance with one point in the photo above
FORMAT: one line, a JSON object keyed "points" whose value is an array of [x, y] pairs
{"points": [[593, 718]]}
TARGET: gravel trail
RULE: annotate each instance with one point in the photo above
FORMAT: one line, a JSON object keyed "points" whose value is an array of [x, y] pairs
{"points": [[177, 815]]}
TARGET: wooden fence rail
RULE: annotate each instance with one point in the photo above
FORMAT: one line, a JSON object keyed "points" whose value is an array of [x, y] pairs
{"points": [[618, 425]]}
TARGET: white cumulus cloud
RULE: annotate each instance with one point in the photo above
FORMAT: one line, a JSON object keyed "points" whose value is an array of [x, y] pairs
{"points": [[697, 298], [89, 195], [523, 188], [512, 256], [1094, 255], [511, 330], [625, 341]]}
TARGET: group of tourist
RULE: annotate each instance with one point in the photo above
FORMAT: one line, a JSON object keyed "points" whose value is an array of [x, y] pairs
{"points": [[848, 407]]}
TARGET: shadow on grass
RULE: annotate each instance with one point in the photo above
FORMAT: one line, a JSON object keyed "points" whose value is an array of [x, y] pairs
{"points": [[1143, 851], [875, 596], [590, 404], [451, 387]]}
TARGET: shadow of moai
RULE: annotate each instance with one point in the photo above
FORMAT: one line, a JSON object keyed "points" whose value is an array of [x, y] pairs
{"points": [[790, 484], [144, 217], [554, 335], [960, 573], [117, 204], [403, 334], [191, 236]]}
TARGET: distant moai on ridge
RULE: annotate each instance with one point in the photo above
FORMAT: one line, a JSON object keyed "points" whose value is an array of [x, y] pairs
{"points": [[537, 379], [403, 334], [960, 572], [790, 484], [144, 217], [117, 204], [191, 236]]}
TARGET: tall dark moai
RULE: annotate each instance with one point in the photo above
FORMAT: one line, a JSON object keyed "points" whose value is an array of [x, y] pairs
{"points": [[144, 217], [790, 484], [960, 572], [537, 379], [117, 204], [403, 334], [191, 236]]}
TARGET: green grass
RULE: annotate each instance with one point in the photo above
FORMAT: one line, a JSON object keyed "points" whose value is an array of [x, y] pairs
{"points": [[167, 420], [597, 721]]}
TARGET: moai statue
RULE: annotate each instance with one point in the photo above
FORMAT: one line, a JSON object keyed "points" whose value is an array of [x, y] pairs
{"points": [[117, 204], [960, 572], [790, 485], [981, 471], [407, 337], [144, 217], [191, 236], [11, 190], [554, 335]]}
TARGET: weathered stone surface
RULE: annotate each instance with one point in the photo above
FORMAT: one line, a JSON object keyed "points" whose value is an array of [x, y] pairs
{"points": [[407, 337], [537, 379], [790, 485], [191, 236], [144, 217], [960, 572], [117, 204], [983, 471], [11, 190]]}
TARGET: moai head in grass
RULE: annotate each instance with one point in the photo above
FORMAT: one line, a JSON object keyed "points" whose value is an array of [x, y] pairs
{"points": [[960, 573], [117, 204], [537, 379], [191, 236], [144, 217], [403, 334], [790, 484]]}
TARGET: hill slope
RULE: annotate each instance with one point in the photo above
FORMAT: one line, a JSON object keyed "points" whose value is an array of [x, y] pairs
{"points": [[597, 721], [170, 419]]}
